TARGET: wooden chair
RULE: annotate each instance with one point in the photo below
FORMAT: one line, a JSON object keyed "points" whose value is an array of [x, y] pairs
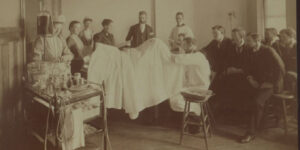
{"points": [[284, 98], [204, 124]]}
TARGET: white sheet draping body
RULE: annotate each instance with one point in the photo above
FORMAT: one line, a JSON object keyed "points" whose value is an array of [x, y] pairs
{"points": [[147, 75]]}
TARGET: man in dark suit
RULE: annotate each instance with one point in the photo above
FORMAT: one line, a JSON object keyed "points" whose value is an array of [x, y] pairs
{"points": [[263, 72], [217, 52], [105, 36], [140, 32]]}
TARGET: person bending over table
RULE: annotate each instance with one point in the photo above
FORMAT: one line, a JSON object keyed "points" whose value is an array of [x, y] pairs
{"points": [[140, 32], [179, 43], [263, 72]]}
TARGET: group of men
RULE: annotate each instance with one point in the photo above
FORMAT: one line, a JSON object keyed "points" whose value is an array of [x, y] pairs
{"points": [[249, 69], [245, 67]]}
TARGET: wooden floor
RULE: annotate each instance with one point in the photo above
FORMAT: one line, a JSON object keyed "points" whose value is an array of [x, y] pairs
{"points": [[126, 134]]}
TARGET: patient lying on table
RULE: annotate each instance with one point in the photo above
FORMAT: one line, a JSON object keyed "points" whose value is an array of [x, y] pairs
{"points": [[147, 75]]}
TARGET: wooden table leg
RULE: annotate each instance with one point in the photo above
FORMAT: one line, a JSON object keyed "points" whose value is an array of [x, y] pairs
{"points": [[284, 116], [104, 121]]}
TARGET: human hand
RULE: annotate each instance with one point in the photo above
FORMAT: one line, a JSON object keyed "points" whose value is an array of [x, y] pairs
{"points": [[86, 59], [232, 70], [252, 82], [292, 74], [266, 85]]}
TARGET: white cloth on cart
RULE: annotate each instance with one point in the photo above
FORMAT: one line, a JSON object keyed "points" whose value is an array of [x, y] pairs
{"points": [[144, 76]]}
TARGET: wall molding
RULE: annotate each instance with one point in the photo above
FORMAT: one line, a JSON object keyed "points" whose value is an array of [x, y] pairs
{"points": [[8, 34]]}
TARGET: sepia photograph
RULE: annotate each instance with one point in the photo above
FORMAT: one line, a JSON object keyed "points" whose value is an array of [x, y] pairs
{"points": [[148, 75]]}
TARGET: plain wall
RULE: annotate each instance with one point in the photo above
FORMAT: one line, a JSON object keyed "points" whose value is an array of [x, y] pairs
{"points": [[291, 13], [166, 10], [10, 13], [124, 13], [200, 15], [215, 12]]}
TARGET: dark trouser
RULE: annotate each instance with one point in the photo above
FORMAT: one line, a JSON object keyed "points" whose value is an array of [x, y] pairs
{"points": [[256, 105], [76, 65], [231, 90]]}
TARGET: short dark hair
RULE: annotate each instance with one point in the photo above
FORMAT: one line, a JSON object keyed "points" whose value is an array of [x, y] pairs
{"points": [[142, 12], [87, 19], [73, 23], [240, 31], [179, 13], [106, 22], [272, 30], [189, 40], [219, 28], [254, 36], [289, 32]]}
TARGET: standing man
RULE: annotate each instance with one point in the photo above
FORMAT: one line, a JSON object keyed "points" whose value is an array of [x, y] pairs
{"points": [[180, 29], [86, 35], [262, 72], [105, 36], [288, 48], [140, 32]]}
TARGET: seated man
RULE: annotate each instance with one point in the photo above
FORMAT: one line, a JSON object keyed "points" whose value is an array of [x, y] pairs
{"points": [[218, 49], [287, 49], [263, 72], [234, 73], [217, 52], [271, 37]]}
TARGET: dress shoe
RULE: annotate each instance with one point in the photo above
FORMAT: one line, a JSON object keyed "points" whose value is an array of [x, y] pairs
{"points": [[247, 138]]}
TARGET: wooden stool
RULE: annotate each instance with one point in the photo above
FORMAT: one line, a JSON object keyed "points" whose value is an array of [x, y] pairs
{"points": [[204, 123], [284, 97]]}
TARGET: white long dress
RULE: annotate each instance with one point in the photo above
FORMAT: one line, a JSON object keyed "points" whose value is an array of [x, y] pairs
{"points": [[144, 76]]}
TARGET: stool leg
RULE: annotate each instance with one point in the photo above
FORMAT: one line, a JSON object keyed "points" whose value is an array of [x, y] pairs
{"points": [[183, 122], [204, 125], [284, 116], [208, 119], [211, 115]]}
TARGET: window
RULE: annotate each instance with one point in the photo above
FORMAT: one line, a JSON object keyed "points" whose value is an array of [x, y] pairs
{"points": [[275, 14]]}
